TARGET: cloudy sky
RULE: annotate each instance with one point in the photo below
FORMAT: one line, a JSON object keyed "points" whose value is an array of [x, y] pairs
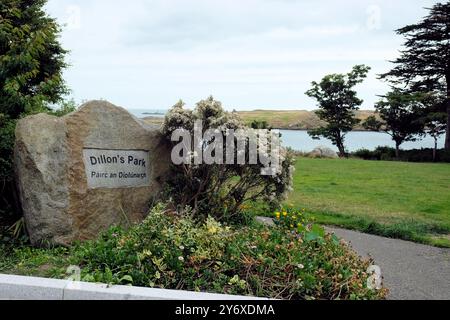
{"points": [[248, 53]]}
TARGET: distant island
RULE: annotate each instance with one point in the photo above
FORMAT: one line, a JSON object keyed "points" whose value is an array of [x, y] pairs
{"points": [[283, 119], [153, 113]]}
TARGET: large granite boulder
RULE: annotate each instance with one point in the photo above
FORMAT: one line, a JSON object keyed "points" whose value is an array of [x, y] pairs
{"points": [[81, 173], [323, 152]]}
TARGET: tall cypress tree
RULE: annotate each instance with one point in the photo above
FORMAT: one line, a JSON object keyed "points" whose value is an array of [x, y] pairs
{"points": [[424, 64]]}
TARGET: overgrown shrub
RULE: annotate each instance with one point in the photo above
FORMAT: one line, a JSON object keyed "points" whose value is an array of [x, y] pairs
{"points": [[219, 189], [169, 251]]}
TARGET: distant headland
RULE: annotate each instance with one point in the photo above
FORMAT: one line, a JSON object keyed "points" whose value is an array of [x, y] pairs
{"points": [[282, 119]]}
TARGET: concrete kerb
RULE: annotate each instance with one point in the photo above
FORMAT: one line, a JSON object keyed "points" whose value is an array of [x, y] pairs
{"points": [[14, 287]]}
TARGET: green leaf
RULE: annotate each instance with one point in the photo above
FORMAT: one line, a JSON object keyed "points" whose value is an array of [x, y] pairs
{"points": [[126, 278], [335, 239], [311, 236], [301, 228], [88, 278], [319, 230]]}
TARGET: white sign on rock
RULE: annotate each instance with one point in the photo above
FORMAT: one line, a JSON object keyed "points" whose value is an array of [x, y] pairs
{"points": [[116, 168]]}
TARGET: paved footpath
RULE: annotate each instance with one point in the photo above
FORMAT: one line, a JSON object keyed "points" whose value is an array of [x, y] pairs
{"points": [[410, 270]]}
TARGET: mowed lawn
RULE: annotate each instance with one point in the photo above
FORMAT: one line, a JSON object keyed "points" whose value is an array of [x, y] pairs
{"points": [[396, 199]]}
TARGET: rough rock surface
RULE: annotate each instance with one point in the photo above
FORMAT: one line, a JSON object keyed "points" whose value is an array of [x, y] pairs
{"points": [[323, 152], [265, 221], [57, 203]]}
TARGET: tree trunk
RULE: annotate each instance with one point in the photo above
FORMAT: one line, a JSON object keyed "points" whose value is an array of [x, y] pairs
{"points": [[341, 151], [397, 150], [340, 145], [341, 148], [435, 148], [447, 133]]}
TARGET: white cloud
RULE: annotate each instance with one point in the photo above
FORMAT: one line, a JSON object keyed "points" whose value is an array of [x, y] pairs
{"points": [[252, 53], [313, 31]]}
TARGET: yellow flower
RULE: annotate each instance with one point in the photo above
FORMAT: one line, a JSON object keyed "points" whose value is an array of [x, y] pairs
{"points": [[213, 229], [284, 213], [292, 226], [277, 214]]}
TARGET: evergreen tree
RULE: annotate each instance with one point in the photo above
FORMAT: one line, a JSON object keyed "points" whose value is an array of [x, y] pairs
{"points": [[401, 116], [424, 64], [434, 120], [31, 65]]}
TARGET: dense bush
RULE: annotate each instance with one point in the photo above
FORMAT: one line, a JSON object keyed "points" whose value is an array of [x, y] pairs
{"points": [[380, 153], [169, 251], [7, 128], [414, 155], [31, 67], [259, 124], [219, 189]]}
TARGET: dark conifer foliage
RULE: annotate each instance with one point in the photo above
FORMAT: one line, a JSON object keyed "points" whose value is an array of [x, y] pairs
{"points": [[424, 64]]}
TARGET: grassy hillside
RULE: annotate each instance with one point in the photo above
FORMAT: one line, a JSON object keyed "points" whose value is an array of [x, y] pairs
{"points": [[295, 119], [282, 119], [396, 199]]}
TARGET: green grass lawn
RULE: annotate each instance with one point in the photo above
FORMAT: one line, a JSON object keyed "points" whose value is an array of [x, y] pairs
{"points": [[396, 199]]}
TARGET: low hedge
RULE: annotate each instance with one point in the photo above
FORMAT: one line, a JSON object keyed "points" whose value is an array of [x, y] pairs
{"points": [[414, 155]]}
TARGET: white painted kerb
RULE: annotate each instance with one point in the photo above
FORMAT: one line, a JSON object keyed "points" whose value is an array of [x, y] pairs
{"points": [[30, 288]]}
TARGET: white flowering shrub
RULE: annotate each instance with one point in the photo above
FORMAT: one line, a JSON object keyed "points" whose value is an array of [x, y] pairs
{"points": [[221, 189]]}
